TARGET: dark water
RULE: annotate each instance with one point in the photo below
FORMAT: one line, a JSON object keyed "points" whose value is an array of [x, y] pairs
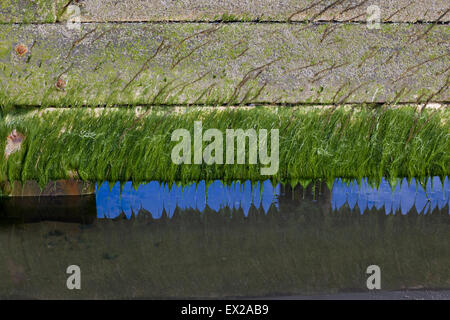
{"points": [[238, 240]]}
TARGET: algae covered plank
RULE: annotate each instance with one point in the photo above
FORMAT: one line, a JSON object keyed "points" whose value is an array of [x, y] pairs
{"points": [[222, 64], [32, 11], [28, 11], [123, 144], [262, 10]]}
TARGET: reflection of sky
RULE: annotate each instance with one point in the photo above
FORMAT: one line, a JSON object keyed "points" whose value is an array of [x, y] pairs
{"points": [[157, 197], [400, 198]]}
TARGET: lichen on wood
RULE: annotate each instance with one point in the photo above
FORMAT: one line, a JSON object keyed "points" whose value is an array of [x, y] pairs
{"points": [[223, 64]]}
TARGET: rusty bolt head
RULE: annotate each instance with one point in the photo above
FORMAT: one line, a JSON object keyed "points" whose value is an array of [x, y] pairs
{"points": [[21, 49], [60, 84]]}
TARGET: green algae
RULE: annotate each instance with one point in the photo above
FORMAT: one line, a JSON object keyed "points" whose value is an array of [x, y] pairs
{"points": [[26, 11], [219, 64], [113, 145], [29, 11]]}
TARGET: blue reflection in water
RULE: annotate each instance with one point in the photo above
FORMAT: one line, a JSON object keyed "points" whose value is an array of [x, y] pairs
{"points": [[157, 197], [400, 198]]}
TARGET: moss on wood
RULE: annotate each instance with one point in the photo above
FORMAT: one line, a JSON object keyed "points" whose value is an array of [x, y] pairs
{"points": [[222, 64]]}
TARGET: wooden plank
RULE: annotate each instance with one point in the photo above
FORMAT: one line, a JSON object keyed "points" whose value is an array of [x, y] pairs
{"points": [[123, 144], [262, 10], [52, 189], [222, 64], [26, 11], [18, 11]]}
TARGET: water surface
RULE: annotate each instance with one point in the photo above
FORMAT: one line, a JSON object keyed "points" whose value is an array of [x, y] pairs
{"points": [[158, 198], [237, 240]]}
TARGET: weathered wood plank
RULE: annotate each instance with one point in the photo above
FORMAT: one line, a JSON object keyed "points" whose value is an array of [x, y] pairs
{"points": [[18, 11], [54, 188], [265, 10], [123, 144], [196, 63]]}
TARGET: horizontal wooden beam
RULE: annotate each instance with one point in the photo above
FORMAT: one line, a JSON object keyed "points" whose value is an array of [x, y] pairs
{"points": [[54, 188], [29, 11], [123, 144], [222, 64], [262, 10], [225, 10]]}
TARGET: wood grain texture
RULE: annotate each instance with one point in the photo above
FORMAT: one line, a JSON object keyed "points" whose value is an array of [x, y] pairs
{"points": [[223, 64], [263, 10], [18, 11], [29, 11], [54, 188]]}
